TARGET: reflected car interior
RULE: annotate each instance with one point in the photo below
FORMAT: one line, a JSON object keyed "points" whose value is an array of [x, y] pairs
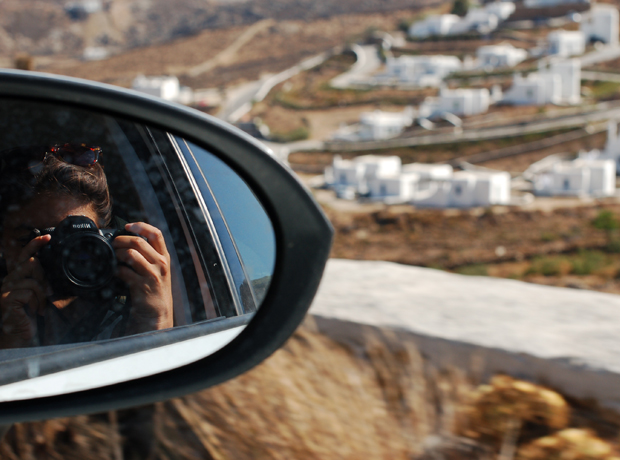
{"points": [[155, 177]]}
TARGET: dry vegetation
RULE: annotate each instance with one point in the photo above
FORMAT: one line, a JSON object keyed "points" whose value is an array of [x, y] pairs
{"points": [[319, 399], [558, 246], [274, 49]]}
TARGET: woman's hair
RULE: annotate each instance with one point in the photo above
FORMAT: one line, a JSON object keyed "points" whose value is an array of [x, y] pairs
{"points": [[52, 177]]}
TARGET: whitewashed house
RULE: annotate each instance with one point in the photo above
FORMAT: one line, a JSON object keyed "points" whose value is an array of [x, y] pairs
{"points": [[534, 89], [398, 188], [600, 23], [478, 20], [94, 53], [502, 55], [165, 87], [482, 20], [460, 101], [429, 171], [612, 146], [466, 189], [502, 10], [424, 185], [356, 173], [560, 83], [422, 71], [566, 43], [433, 25], [580, 177], [376, 125]]}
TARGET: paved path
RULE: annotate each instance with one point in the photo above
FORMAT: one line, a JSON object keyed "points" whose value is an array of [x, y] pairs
{"points": [[241, 102], [538, 126], [367, 62], [546, 322], [606, 53]]}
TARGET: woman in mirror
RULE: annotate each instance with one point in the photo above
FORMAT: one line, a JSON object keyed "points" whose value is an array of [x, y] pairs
{"points": [[39, 189]]}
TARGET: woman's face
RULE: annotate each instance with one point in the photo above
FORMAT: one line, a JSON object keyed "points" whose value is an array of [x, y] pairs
{"points": [[41, 212]]}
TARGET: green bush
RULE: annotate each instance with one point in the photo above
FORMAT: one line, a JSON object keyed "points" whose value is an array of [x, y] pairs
{"points": [[546, 266], [606, 220], [473, 270], [549, 236], [613, 247], [587, 262], [298, 134]]}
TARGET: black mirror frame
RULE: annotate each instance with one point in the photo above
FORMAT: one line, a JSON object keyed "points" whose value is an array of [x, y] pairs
{"points": [[303, 241]]}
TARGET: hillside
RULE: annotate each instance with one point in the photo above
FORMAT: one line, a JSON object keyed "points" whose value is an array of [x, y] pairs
{"points": [[51, 27]]}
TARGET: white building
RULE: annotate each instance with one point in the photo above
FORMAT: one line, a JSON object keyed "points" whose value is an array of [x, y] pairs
{"points": [[502, 10], [422, 71], [94, 53], [476, 20], [612, 147], [600, 23], [424, 185], [433, 25], [580, 177], [376, 125], [357, 172], [482, 20], [566, 43], [560, 83], [502, 55], [165, 87], [399, 188], [465, 189], [429, 171], [460, 101]]}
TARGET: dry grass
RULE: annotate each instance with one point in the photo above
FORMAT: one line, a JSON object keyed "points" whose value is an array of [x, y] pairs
{"points": [[319, 399]]}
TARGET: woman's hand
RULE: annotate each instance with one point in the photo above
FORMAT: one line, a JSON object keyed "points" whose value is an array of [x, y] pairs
{"points": [[23, 297], [147, 273]]}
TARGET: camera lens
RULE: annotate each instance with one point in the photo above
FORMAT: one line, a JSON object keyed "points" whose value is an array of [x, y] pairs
{"points": [[88, 261]]}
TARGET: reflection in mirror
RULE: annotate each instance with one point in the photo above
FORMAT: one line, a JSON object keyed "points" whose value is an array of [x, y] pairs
{"points": [[109, 228]]}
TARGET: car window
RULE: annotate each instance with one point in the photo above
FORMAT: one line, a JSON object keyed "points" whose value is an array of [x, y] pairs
{"points": [[247, 221], [121, 209]]}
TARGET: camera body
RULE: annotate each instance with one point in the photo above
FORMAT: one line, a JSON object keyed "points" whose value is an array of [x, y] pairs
{"points": [[79, 260]]}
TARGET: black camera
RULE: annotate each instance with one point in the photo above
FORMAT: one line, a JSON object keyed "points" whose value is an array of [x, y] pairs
{"points": [[79, 259]]}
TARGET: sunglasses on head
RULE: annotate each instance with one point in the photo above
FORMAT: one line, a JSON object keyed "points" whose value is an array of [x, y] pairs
{"points": [[31, 157], [75, 154]]}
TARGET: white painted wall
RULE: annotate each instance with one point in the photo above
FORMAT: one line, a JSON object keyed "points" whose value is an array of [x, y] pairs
{"points": [[612, 147], [357, 172], [601, 23], [421, 71], [566, 43], [581, 177], [558, 84], [433, 25], [377, 125], [502, 55], [460, 101], [165, 87], [467, 189], [396, 188]]}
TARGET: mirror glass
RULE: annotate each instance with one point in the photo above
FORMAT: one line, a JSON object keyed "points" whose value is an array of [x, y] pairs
{"points": [[112, 229]]}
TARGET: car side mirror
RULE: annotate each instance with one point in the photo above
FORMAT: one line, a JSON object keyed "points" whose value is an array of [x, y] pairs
{"points": [[147, 250]]}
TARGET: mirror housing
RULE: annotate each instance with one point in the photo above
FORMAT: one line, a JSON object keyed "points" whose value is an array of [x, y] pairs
{"points": [[303, 240]]}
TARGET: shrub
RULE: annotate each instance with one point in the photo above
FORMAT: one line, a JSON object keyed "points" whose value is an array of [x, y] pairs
{"points": [[473, 270], [605, 221]]}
